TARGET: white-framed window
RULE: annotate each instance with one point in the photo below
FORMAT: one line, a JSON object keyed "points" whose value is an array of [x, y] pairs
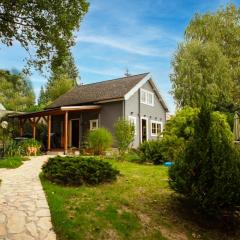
{"points": [[133, 121], [147, 97], [156, 128], [93, 124]]}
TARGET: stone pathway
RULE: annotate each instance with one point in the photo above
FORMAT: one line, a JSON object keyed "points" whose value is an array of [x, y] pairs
{"points": [[24, 212]]}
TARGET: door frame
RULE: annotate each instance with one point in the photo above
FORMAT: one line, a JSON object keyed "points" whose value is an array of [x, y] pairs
{"points": [[70, 128], [144, 118]]}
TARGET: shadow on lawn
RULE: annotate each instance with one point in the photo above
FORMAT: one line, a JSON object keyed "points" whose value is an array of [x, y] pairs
{"points": [[179, 211]]}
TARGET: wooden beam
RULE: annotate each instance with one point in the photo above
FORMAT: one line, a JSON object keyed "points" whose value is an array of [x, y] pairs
{"points": [[38, 119], [49, 132], [66, 133], [45, 118]]}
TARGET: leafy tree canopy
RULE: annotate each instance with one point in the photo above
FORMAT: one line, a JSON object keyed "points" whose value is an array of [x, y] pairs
{"points": [[16, 91], [201, 74], [48, 26], [221, 29]]}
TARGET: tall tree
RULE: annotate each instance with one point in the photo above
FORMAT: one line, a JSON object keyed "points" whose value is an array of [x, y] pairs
{"points": [[222, 28], [16, 91], [201, 75], [48, 26], [64, 76]]}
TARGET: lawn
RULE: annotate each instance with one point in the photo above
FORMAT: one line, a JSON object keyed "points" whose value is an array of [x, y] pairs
{"points": [[139, 205], [11, 162]]}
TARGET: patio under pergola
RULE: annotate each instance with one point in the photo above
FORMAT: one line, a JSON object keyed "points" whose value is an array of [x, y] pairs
{"points": [[46, 117]]}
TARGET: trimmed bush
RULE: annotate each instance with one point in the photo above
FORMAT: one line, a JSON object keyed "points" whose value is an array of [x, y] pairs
{"points": [[99, 140], [78, 170], [208, 172], [151, 151]]}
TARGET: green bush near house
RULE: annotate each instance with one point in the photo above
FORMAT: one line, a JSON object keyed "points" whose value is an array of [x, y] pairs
{"points": [[208, 172], [151, 151], [99, 140], [124, 134], [78, 170], [177, 133]]}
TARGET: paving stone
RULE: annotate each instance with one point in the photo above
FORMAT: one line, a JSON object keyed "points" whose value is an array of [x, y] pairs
{"points": [[2, 218], [24, 212], [45, 223], [16, 222], [32, 229], [43, 213], [22, 236], [3, 231]]}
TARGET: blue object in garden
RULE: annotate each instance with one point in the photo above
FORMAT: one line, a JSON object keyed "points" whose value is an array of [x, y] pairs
{"points": [[168, 164]]}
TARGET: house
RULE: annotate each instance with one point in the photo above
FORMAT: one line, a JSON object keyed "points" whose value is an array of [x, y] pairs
{"points": [[101, 104]]}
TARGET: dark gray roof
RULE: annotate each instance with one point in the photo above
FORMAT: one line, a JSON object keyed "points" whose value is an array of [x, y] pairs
{"points": [[100, 91]]}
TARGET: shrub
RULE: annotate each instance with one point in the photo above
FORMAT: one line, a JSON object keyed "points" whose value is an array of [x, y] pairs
{"points": [[124, 133], [78, 170], [208, 172], [99, 140], [14, 149], [151, 151], [30, 143], [178, 131]]}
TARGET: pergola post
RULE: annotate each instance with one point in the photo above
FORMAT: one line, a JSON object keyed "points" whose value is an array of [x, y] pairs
{"points": [[34, 128], [49, 132], [66, 133], [21, 126]]}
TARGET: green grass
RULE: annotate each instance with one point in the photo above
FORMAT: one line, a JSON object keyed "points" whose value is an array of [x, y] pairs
{"points": [[11, 162], [139, 205]]}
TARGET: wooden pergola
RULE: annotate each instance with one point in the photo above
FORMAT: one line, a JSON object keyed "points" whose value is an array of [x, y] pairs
{"points": [[46, 115]]}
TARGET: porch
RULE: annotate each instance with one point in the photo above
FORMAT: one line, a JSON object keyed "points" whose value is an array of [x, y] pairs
{"points": [[66, 126]]}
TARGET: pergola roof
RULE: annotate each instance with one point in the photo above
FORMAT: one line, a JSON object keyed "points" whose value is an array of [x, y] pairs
{"points": [[57, 111]]}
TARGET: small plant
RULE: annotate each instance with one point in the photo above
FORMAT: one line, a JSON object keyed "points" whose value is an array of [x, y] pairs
{"points": [[99, 140], [14, 149], [30, 147], [78, 170], [124, 133], [151, 151]]}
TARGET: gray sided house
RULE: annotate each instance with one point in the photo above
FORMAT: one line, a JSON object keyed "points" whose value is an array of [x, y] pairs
{"points": [[101, 104]]}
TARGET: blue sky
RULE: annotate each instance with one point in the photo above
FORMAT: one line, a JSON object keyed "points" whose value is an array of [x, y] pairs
{"points": [[140, 35]]}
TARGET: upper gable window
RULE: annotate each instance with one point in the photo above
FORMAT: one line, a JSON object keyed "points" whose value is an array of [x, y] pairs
{"points": [[147, 97]]}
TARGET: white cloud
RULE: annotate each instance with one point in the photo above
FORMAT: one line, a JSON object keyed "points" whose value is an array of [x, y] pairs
{"points": [[128, 45], [111, 72]]}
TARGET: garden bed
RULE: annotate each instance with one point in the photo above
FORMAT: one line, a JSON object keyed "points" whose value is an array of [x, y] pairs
{"points": [[11, 162]]}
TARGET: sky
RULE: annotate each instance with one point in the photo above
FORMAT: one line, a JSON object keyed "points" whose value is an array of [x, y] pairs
{"points": [[115, 35]]}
